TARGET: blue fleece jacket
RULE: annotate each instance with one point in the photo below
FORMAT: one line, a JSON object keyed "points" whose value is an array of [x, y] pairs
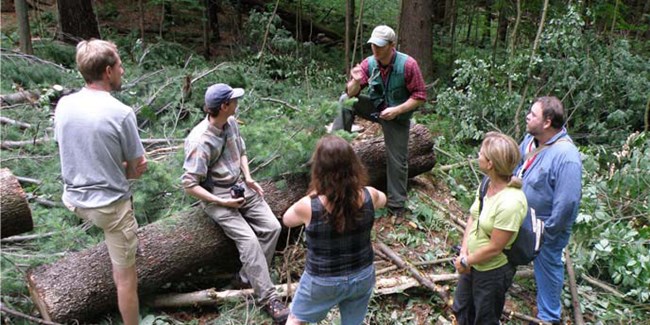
{"points": [[552, 183]]}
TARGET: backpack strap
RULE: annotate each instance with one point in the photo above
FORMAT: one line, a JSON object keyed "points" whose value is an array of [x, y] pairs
{"points": [[532, 155], [485, 182], [482, 191]]}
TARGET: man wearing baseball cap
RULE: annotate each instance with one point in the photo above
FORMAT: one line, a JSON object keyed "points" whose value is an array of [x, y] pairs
{"points": [[395, 89], [216, 172]]}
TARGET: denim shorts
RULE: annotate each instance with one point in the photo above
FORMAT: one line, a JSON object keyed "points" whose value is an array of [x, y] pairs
{"points": [[317, 295]]}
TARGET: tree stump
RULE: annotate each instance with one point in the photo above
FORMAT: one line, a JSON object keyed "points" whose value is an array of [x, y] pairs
{"points": [[15, 215], [80, 286]]}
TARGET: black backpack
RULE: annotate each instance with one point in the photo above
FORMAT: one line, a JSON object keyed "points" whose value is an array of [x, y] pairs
{"points": [[529, 239]]}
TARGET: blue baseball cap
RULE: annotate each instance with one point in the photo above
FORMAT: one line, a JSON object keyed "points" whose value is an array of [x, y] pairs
{"points": [[218, 94]]}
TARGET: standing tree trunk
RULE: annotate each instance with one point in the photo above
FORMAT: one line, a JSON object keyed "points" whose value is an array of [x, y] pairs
{"points": [[349, 34], [141, 21], [416, 33], [23, 27], [77, 21], [15, 215], [212, 7]]}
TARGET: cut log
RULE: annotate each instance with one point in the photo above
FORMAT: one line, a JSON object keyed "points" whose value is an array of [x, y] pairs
{"points": [[15, 215], [421, 157], [23, 96], [80, 287]]}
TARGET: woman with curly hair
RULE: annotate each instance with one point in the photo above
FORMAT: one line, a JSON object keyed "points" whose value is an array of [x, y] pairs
{"points": [[338, 213]]}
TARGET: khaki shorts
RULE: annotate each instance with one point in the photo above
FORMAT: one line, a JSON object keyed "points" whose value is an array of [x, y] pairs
{"points": [[119, 225]]}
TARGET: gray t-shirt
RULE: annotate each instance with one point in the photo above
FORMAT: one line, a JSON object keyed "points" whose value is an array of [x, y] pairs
{"points": [[96, 134]]}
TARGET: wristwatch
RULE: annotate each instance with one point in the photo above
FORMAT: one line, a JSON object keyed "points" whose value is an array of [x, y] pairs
{"points": [[463, 262]]}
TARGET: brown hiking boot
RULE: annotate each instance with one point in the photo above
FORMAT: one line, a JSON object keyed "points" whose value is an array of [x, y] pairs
{"points": [[277, 310]]}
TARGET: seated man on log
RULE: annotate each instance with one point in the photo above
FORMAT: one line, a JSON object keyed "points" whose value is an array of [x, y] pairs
{"points": [[217, 173], [100, 151], [395, 89]]}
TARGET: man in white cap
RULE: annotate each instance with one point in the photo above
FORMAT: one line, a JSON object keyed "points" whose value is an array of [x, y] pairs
{"points": [[217, 173], [395, 89]]}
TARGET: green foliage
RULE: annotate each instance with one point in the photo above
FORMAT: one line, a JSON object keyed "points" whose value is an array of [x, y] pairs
{"points": [[604, 92], [19, 71], [278, 38], [612, 233]]}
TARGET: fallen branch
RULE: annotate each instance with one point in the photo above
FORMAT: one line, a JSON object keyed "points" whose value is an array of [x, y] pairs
{"points": [[21, 125], [460, 224], [447, 168], [20, 144], [12, 312], [575, 301], [158, 141], [444, 295], [211, 297], [273, 100], [10, 53], [208, 72], [509, 313], [23, 96], [425, 263], [29, 180], [16, 239], [602, 285], [44, 202]]}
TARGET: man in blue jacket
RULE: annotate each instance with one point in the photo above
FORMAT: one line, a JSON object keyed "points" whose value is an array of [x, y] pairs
{"points": [[551, 170]]}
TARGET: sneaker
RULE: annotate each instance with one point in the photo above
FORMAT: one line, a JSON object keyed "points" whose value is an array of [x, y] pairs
{"points": [[277, 310]]}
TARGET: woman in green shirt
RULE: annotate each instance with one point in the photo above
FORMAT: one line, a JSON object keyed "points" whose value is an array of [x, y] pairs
{"points": [[485, 272]]}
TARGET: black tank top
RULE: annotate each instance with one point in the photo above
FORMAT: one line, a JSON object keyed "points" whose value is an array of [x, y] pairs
{"points": [[330, 253]]}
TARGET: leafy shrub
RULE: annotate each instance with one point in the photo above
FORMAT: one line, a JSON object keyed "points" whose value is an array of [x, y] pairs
{"points": [[612, 231]]}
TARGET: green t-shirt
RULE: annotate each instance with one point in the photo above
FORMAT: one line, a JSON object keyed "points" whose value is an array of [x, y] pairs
{"points": [[506, 211]]}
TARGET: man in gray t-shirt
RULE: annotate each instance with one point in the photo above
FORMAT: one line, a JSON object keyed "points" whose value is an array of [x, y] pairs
{"points": [[100, 150]]}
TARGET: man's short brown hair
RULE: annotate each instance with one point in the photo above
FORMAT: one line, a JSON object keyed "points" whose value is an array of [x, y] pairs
{"points": [[553, 110], [94, 56]]}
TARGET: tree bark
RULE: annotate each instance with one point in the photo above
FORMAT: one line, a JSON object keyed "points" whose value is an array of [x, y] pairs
{"points": [[349, 34], [212, 8], [77, 21], [416, 33], [15, 215], [80, 287], [23, 27], [23, 96], [421, 157]]}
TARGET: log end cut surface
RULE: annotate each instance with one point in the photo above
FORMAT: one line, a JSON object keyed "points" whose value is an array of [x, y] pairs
{"points": [[16, 217]]}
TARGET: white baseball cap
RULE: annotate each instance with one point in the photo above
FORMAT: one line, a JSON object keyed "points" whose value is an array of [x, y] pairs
{"points": [[382, 35]]}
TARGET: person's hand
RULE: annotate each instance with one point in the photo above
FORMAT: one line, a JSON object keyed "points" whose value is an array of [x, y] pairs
{"points": [[459, 267], [356, 73], [253, 185], [389, 113], [142, 166], [232, 203]]}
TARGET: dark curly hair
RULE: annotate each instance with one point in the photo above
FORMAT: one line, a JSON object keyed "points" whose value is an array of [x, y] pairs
{"points": [[338, 174]]}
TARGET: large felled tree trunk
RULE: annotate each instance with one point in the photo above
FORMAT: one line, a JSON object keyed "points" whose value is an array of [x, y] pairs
{"points": [[80, 287], [77, 21], [15, 215]]}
